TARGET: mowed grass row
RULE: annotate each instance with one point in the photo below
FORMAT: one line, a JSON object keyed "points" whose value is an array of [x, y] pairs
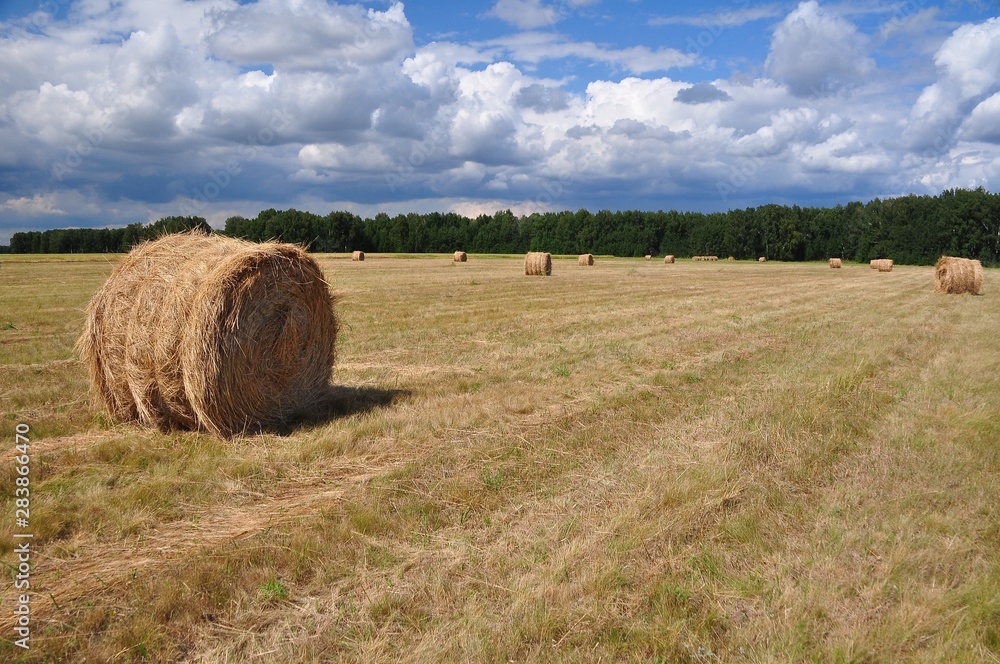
{"points": [[631, 461]]}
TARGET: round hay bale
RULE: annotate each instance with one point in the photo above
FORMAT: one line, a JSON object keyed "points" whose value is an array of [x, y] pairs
{"points": [[538, 263], [358, 256], [649, 257], [958, 275], [836, 263], [731, 258], [884, 265], [460, 257], [198, 331], [762, 259], [713, 258], [669, 258], [586, 259], [874, 264]]}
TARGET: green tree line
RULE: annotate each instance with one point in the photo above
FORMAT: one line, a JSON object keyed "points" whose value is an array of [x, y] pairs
{"points": [[911, 229], [99, 240]]}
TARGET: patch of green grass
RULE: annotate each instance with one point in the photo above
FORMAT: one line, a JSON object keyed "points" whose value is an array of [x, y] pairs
{"points": [[273, 590]]}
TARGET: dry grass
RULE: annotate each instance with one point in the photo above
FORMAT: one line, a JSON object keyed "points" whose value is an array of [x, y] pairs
{"points": [[958, 275], [196, 331], [755, 485]]}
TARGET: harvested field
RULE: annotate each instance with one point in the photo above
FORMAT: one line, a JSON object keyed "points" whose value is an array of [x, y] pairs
{"points": [[614, 464]]}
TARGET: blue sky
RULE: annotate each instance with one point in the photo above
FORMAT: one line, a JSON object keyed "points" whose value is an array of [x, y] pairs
{"points": [[113, 112]]}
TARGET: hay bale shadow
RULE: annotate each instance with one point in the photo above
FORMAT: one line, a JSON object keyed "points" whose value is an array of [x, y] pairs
{"points": [[336, 402]]}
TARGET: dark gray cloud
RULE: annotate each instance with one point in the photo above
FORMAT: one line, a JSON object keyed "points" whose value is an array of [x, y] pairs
{"points": [[701, 93], [543, 99]]}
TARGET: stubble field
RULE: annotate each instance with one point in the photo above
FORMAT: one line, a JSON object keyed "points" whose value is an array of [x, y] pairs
{"points": [[733, 462]]}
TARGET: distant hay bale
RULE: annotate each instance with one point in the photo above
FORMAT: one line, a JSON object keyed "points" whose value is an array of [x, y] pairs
{"points": [[762, 259], [731, 258], [883, 265], [460, 257], [649, 257], [358, 256], [704, 258], [836, 263], [958, 275], [196, 331], [586, 259], [713, 258], [669, 258], [538, 263]]}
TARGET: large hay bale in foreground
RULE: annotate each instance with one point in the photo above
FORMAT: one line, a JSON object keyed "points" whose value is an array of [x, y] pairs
{"points": [[958, 275], [586, 259], [358, 256], [198, 331], [669, 258], [460, 257], [836, 263], [538, 263]]}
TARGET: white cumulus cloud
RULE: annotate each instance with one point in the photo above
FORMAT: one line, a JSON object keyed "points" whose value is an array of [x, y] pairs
{"points": [[815, 52]]}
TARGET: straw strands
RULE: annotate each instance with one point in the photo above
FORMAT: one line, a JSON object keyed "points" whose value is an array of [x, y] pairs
{"points": [[669, 258], [358, 256], [586, 259], [538, 263], [958, 275], [836, 263], [460, 257], [198, 331]]}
